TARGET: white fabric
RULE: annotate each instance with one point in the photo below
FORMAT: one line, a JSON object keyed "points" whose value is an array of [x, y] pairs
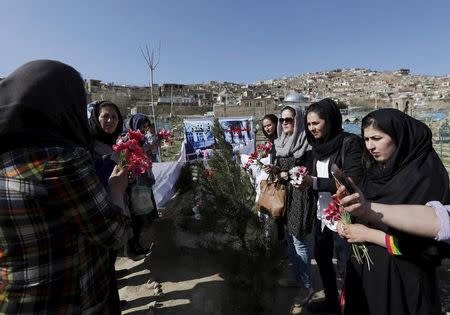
{"points": [[443, 215], [324, 196], [167, 173], [257, 174]]}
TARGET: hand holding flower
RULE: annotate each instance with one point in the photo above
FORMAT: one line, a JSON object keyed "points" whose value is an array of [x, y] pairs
{"points": [[358, 233], [118, 182], [355, 233], [335, 212], [261, 152], [131, 153], [355, 204]]}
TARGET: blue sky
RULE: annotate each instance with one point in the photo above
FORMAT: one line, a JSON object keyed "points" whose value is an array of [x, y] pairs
{"points": [[237, 41]]}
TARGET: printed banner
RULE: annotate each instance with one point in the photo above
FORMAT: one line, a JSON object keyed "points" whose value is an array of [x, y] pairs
{"points": [[199, 136]]}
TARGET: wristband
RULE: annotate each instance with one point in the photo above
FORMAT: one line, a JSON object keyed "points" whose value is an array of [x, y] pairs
{"points": [[392, 245]]}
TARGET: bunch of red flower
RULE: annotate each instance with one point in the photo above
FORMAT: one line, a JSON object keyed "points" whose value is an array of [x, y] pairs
{"points": [[131, 153], [335, 212], [262, 151], [164, 134]]}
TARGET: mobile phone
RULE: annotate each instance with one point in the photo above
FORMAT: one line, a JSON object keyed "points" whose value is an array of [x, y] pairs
{"points": [[340, 178]]}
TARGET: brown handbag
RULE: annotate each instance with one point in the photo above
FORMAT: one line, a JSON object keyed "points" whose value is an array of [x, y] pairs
{"points": [[272, 198]]}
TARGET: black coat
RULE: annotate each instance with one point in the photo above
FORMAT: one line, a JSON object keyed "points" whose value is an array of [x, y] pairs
{"points": [[349, 159]]}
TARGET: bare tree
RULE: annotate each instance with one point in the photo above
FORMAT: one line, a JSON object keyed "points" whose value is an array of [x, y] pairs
{"points": [[152, 63]]}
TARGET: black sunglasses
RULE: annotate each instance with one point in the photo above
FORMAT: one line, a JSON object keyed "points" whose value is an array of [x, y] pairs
{"points": [[288, 120]]}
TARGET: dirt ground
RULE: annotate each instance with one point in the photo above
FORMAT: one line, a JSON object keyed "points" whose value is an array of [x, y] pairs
{"points": [[192, 279]]}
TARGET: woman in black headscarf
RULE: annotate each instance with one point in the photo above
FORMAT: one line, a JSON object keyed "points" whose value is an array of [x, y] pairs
{"points": [[330, 144], [105, 125], [404, 169], [56, 219], [134, 249]]}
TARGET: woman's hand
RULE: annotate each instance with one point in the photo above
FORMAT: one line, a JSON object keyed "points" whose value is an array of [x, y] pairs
{"points": [[355, 203], [118, 181], [267, 168], [306, 183], [355, 233], [340, 229]]}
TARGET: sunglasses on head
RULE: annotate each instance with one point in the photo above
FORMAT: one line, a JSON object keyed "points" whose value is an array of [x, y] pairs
{"points": [[287, 120]]}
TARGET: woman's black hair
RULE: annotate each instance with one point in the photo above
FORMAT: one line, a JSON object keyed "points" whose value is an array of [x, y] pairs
{"points": [[318, 109], [272, 118], [368, 121]]}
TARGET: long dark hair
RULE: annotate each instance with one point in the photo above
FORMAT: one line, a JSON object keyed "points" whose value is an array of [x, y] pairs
{"points": [[274, 120]]}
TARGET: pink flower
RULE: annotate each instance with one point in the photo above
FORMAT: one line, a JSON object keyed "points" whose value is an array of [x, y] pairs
{"points": [[131, 153], [333, 212], [164, 134]]}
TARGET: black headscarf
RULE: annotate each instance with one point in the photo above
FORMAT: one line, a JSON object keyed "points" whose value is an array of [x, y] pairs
{"points": [[414, 174], [43, 103], [96, 129], [136, 121], [326, 109]]}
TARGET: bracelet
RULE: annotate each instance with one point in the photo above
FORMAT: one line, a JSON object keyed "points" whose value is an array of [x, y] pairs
{"points": [[392, 245]]}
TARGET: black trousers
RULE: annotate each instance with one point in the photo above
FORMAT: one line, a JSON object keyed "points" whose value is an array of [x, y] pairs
{"points": [[323, 253], [114, 299]]}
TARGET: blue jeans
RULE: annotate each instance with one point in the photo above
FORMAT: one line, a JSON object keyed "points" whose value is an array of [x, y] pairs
{"points": [[301, 260]]}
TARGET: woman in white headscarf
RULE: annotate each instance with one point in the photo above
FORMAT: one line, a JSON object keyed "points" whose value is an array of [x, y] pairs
{"points": [[292, 149]]}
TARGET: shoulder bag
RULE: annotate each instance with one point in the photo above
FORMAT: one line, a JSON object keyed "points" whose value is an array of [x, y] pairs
{"points": [[272, 197]]}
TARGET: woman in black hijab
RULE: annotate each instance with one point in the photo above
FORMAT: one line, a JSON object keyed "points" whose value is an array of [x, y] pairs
{"points": [[43, 103], [133, 249], [105, 125], [404, 169], [330, 144]]}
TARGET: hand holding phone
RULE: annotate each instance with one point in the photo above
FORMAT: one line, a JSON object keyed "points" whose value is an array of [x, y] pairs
{"points": [[340, 178]]}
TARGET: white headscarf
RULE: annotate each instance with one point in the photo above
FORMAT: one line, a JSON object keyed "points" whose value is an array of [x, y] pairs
{"points": [[295, 144]]}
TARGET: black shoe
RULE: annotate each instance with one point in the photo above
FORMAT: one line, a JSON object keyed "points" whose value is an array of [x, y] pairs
{"points": [[323, 307], [142, 251], [122, 273], [134, 254], [136, 257]]}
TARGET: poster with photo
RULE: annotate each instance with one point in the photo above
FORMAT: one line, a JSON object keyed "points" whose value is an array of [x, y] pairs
{"points": [[199, 135], [238, 131]]}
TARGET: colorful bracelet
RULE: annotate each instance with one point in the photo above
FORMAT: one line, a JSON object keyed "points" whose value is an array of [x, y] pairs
{"points": [[392, 245]]}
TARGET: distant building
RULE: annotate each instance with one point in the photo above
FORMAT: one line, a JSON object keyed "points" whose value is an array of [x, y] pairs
{"points": [[404, 102], [403, 71], [170, 88], [296, 99]]}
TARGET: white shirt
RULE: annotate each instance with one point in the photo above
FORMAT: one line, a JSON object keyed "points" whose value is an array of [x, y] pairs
{"points": [[324, 196]]}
